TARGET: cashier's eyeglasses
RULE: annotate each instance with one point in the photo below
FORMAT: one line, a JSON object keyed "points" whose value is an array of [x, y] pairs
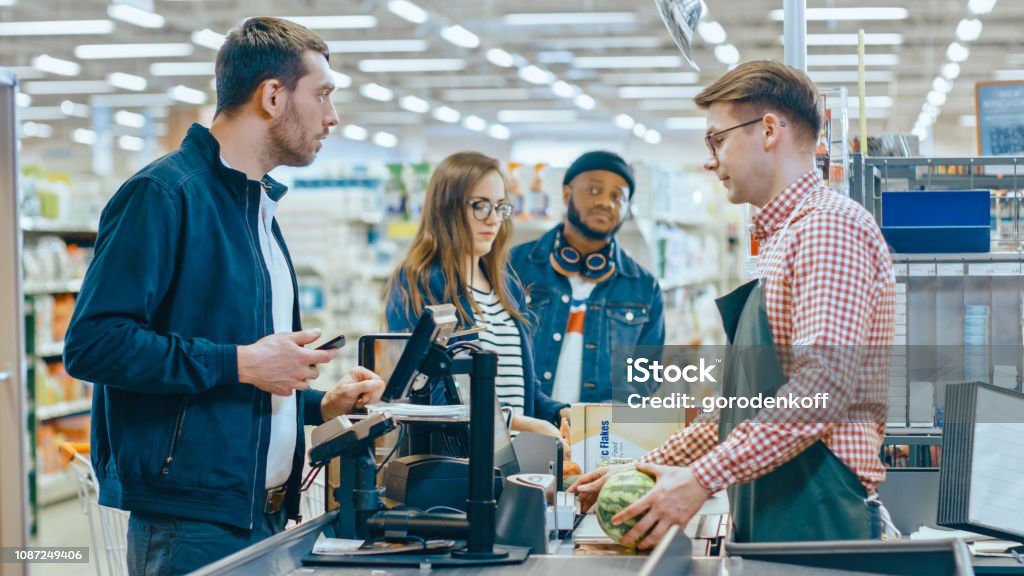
{"points": [[482, 209], [715, 139]]}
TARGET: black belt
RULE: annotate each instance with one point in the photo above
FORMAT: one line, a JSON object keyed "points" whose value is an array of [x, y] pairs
{"points": [[273, 499]]}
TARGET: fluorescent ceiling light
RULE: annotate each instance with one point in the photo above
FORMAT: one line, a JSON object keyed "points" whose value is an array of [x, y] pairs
{"points": [[22, 100], [555, 57], [41, 113], [968, 121], [499, 57], [941, 84], [354, 132], [83, 136], [968, 30], [131, 51], [26, 72], [672, 104], [936, 98], [624, 121], [515, 116], [651, 78], [487, 94], [1008, 75], [475, 123], [858, 13], [132, 100], [129, 119], [341, 80], [136, 16], [460, 36], [639, 130], [957, 52], [127, 81], [75, 109], [711, 31], [67, 87], [333, 22], [568, 18], [58, 66], [727, 54], [824, 60], [385, 139], [183, 93], [375, 91], [446, 114], [627, 62], [686, 123], [536, 75], [563, 89], [356, 46], [603, 43], [839, 77], [635, 92], [412, 65], [456, 81], [34, 130], [850, 39], [132, 143], [414, 104], [8, 2], [499, 132], [56, 28], [981, 6], [182, 69], [950, 70], [408, 11], [584, 102], [652, 137], [208, 39]]}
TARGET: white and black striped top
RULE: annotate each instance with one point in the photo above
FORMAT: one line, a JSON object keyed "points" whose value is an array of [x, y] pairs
{"points": [[502, 337]]}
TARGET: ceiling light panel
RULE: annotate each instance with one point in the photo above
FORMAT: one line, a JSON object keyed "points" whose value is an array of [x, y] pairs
{"points": [[408, 11], [182, 69], [568, 18], [334, 22], [396, 45], [56, 28], [522, 116], [628, 62], [67, 87], [135, 16], [852, 13], [413, 65], [131, 51]]}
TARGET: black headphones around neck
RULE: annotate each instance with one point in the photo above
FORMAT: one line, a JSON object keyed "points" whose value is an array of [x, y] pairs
{"points": [[594, 267]]}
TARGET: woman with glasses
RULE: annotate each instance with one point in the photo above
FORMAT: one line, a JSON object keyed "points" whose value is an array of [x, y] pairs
{"points": [[460, 256]]}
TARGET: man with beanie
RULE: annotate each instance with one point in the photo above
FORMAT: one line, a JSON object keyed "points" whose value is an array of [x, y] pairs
{"points": [[587, 298]]}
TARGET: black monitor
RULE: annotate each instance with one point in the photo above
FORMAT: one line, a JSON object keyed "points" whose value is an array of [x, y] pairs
{"points": [[435, 326]]}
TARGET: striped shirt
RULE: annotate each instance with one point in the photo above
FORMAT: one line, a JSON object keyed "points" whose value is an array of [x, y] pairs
{"points": [[502, 337], [829, 294]]}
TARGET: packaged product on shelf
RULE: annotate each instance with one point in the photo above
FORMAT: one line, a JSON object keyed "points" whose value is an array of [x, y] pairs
{"points": [[598, 440], [538, 199]]}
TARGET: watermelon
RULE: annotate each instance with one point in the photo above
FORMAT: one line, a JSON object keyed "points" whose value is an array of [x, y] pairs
{"points": [[618, 492]]}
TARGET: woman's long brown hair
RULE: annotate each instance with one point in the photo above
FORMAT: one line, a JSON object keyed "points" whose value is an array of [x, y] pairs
{"points": [[444, 240]]}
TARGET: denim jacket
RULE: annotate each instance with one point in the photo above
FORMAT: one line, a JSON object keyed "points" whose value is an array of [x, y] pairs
{"points": [[625, 310], [536, 403]]}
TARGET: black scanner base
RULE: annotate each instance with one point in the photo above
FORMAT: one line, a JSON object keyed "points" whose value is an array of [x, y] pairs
{"points": [[516, 555], [426, 481]]}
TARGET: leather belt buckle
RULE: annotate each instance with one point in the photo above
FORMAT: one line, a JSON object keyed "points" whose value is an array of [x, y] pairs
{"points": [[273, 499]]}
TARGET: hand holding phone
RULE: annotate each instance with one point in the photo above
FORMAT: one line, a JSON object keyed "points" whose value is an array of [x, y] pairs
{"points": [[333, 344]]}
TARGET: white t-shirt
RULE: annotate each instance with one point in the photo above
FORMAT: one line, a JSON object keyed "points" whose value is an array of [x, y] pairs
{"points": [[569, 374]]}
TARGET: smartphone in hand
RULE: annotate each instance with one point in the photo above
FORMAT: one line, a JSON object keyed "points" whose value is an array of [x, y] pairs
{"points": [[333, 344]]}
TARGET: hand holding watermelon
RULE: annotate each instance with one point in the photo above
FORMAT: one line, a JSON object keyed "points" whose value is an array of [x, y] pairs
{"points": [[589, 485], [675, 498]]}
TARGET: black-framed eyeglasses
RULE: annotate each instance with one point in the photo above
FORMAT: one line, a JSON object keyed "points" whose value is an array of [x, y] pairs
{"points": [[710, 138], [482, 209]]}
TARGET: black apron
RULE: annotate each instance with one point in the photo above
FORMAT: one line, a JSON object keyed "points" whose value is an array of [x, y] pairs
{"points": [[814, 496]]}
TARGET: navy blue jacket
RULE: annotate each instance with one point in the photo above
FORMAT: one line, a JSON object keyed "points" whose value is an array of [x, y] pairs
{"points": [[178, 281], [624, 311], [401, 318]]}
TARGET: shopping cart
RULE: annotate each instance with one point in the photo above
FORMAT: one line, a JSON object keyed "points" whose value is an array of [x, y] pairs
{"points": [[108, 526]]}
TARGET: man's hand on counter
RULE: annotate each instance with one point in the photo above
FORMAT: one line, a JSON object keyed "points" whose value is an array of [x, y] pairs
{"points": [[355, 390], [675, 499]]}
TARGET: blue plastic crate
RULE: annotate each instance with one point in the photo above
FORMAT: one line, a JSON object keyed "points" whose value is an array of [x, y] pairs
{"points": [[937, 221]]}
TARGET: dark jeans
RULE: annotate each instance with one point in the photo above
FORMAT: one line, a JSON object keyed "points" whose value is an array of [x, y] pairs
{"points": [[164, 545]]}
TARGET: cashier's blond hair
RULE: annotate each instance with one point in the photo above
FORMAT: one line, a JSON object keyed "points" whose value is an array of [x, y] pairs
{"points": [[444, 239], [763, 86]]}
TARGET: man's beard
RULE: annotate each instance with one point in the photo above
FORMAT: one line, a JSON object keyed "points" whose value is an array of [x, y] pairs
{"points": [[577, 221], [286, 146]]}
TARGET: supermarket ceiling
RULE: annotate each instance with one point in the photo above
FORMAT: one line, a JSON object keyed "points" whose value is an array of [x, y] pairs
{"points": [[529, 66]]}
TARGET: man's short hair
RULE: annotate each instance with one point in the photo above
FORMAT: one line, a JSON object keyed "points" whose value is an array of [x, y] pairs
{"points": [[765, 86], [258, 49]]}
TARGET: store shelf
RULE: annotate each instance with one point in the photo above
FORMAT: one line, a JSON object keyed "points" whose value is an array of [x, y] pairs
{"points": [[56, 486], [57, 287], [50, 350], [704, 223], [63, 409], [42, 226]]}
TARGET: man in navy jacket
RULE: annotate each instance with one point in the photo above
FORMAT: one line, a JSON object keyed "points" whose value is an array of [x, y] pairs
{"points": [[188, 321], [588, 299]]}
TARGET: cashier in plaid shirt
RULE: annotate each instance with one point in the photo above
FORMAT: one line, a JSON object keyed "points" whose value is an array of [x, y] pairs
{"points": [[825, 299]]}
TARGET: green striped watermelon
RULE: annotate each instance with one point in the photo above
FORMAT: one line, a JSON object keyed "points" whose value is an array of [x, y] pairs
{"points": [[618, 492]]}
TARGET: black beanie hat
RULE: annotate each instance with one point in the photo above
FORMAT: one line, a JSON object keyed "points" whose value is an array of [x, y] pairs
{"points": [[600, 160]]}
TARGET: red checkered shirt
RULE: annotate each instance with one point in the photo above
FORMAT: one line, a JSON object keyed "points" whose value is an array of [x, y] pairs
{"points": [[830, 296]]}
